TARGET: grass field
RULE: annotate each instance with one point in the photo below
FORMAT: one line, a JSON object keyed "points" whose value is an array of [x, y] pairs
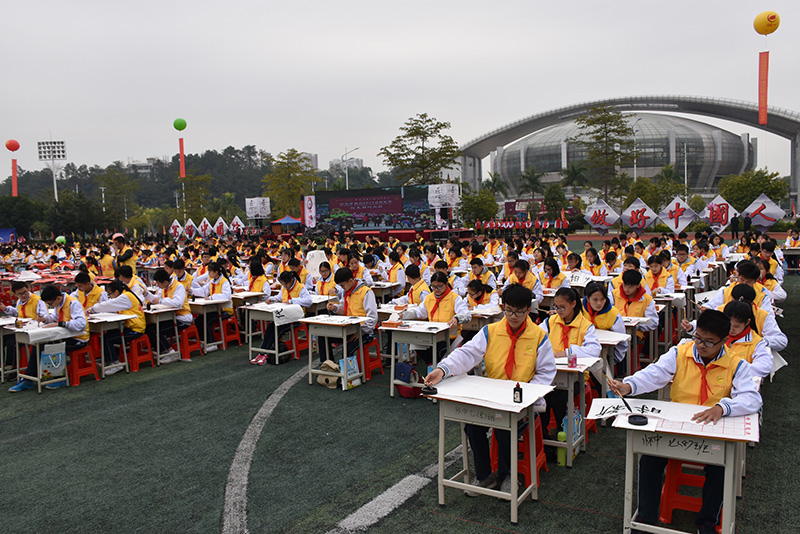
{"points": [[151, 452]]}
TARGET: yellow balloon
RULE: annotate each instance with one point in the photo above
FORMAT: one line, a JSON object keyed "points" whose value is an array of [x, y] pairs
{"points": [[766, 22]]}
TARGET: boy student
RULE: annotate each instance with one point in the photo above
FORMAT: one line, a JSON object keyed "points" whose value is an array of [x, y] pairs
{"points": [[521, 275], [632, 300], [702, 372], [658, 279], [87, 293], [173, 294], [419, 289], [29, 306], [359, 301], [68, 313], [747, 273], [125, 255], [180, 274], [513, 349]]}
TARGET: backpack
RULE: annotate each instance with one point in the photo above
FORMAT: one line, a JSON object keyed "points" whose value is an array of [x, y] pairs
{"points": [[405, 373]]}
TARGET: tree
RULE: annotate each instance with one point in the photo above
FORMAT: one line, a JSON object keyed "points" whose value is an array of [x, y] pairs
{"points": [[742, 189], [618, 189], [669, 184], [291, 178], [119, 189], [421, 151], [481, 205], [696, 203], [496, 185], [530, 182], [645, 189], [554, 201], [195, 195], [607, 138], [574, 176]]}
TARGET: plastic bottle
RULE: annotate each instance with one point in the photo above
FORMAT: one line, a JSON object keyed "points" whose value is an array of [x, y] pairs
{"points": [[561, 452], [572, 358], [517, 393]]}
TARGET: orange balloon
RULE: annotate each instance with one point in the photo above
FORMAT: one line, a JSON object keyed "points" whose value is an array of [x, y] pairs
{"points": [[12, 145], [766, 22]]}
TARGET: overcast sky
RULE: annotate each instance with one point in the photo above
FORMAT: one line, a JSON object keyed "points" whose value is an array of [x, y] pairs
{"points": [[320, 76]]}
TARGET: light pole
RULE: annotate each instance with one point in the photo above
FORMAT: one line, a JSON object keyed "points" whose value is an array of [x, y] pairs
{"points": [[103, 194], [686, 172], [635, 154], [345, 159], [52, 151]]}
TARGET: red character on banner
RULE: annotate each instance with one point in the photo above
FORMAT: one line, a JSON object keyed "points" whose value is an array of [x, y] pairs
{"points": [[676, 213], [638, 218], [718, 214], [599, 218], [758, 212]]}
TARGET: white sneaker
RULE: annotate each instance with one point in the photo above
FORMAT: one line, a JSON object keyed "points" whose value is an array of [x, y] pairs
{"points": [[114, 370], [506, 485], [212, 348], [169, 358], [489, 482]]}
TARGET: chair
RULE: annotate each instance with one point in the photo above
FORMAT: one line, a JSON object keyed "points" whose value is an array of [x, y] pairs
{"points": [[524, 465], [81, 363], [671, 499], [189, 342], [300, 343], [140, 352], [372, 363], [230, 329]]}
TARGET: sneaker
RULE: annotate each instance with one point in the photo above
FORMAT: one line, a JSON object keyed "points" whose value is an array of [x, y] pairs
{"points": [[489, 482], [170, 358], [57, 385], [212, 348], [506, 485], [22, 385], [115, 370]]}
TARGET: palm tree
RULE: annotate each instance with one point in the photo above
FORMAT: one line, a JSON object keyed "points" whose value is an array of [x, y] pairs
{"points": [[496, 185], [574, 176], [530, 182]]}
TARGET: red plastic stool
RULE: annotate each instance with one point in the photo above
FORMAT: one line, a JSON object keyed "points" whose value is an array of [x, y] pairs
{"points": [[671, 499], [138, 353], [81, 363], [189, 342], [230, 327], [299, 343], [524, 465], [372, 363]]}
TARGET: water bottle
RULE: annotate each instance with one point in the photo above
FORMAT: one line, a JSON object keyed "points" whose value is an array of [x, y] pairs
{"points": [[561, 452], [572, 358]]}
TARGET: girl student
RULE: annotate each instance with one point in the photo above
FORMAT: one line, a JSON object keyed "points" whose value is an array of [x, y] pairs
{"points": [[552, 277], [744, 340], [772, 285], [593, 265], [604, 316], [216, 287]]}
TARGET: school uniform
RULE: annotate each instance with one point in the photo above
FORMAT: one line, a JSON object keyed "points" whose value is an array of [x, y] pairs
{"points": [[531, 282], [416, 295], [663, 281], [609, 318], [296, 294], [87, 300], [440, 310], [553, 283], [219, 289], [396, 275], [726, 381], [126, 303], [723, 296], [360, 302]]}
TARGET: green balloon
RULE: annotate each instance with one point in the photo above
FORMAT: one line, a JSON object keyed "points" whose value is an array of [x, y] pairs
{"points": [[61, 240], [179, 124]]}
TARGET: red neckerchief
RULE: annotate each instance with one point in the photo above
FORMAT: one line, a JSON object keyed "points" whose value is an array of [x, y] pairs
{"points": [[592, 314], [61, 311], [522, 280], [451, 262], [762, 281], [511, 361], [639, 293], [478, 300], [438, 300], [737, 337], [346, 295], [549, 280], [655, 280], [252, 282], [565, 330], [705, 388], [592, 269]]}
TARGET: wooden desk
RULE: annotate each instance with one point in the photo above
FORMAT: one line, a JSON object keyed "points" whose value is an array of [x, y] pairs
{"points": [[424, 333], [203, 307], [482, 408], [156, 315], [266, 312], [37, 337], [100, 323], [335, 326]]}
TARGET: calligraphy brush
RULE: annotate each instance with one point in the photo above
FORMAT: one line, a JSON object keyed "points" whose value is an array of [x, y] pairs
{"points": [[628, 406]]}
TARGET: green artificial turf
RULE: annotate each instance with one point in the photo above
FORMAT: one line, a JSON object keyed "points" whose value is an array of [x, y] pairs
{"points": [[150, 452]]}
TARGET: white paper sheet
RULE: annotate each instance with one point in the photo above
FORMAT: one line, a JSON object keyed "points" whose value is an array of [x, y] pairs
{"points": [[283, 313], [583, 364], [743, 428], [313, 259], [489, 392]]}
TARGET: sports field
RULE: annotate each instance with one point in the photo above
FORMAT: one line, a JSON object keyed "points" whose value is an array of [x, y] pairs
{"points": [[154, 451]]}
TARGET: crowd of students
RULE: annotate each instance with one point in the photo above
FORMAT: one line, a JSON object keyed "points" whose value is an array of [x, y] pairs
{"points": [[731, 341]]}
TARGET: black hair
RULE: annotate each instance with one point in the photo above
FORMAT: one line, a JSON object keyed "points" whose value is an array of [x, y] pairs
{"points": [[765, 264], [576, 258], [517, 296], [594, 287], [394, 256], [122, 287], [476, 261], [478, 286], [439, 276], [344, 274], [441, 264], [743, 292], [633, 261], [681, 248], [553, 264], [714, 322], [179, 264], [522, 265], [748, 270], [631, 278], [512, 254], [287, 276], [161, 276], [82, 278], [294, 262], [596, 255], [611, 257], [50, 293], [630, 250], [256, 269], [124, 270], [741, 311], [654, 258], [412, 271], [665, 255]]}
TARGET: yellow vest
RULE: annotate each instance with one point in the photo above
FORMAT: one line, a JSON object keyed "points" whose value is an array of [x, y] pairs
{"points": [[529, 282], [256, 285], [525, 352], [594, 269], [485, 299], [745, 349], [446, 309], [138, 324], [292, 293], [28, 310], [355, 302], [106, 265], [303, 275], [131, 261], [64, 314], [414, 295], [603, 321], [551, 282], [685, 265], [726, 294], [688, 378], [170, 292], [216, 289], [650, 279], [484, 278], [323, 287], [635, 309], [393, 272], [556, 326], [90, 299]]}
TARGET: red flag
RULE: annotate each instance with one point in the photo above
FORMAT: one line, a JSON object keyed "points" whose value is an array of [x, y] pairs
{"points": [[794, 213], [763, 71]]}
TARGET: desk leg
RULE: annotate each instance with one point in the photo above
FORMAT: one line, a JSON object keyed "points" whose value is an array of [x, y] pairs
{"points": [[464, 454], [102, 352], [361, 356], [582, 388], [570, 414], [515, 467], [222, 331], [391, 382], [157, 350], [205, 329], [441, 452], [310, 355], [277, 342], [631, 344], [628, 509], [729, 494], [124, 348], [534, 476]]}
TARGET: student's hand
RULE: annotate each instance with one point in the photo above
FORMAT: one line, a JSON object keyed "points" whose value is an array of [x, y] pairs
{"points": [[41, 319], [686, 325], [331, 306], [712, 415], [156, 300], [452, 323], [619, 388], [434, 377], [703, 309], [51, 325], [560, 354]]}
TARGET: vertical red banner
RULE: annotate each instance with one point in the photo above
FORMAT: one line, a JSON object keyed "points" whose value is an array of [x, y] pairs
{"points": [[763, 72], [183, 165], [13, 177]]}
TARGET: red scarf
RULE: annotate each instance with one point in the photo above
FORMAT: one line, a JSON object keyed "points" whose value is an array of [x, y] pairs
{"points": [[655, 280], [565, 329], [705, 388], [61, 312], [22, 310], [549, 280], [478, 300], [737, 337], [511, 361], [346, 295], [628, 300], [436, 305]]}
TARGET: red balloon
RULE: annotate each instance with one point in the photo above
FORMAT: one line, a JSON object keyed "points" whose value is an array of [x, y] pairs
{"points": [[12, 145]]}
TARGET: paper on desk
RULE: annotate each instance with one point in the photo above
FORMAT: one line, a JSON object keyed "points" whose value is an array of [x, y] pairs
{"points": [[583, 363], [101, 317], [37, 334], [283, 313], [742, 428], [777, 363], [672, 411], [489, 392]]}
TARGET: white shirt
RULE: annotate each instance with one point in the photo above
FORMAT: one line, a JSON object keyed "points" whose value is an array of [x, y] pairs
{"points": [[78, 321], [370, 307]]}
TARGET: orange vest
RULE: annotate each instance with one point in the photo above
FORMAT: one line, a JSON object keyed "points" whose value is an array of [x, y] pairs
{"points": [[88, 300], [687, 381], [64, 314], [525, 352]]}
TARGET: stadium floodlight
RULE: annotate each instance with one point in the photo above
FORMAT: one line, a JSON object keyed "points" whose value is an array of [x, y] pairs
{"points": [[52, 151]]}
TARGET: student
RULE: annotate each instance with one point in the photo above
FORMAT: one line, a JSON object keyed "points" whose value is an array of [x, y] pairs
{"points": [[657, 279], [552, 277], [768, 253], [522, 276], [478, 271], [123, 301], [593, 265], [613, 263], [481, 297], [443, 305], [454, 259], [324, 285], [604, 316], [505, 273], [702, 372], [170, 293], [67, 313], [358, 300], [414, 258], [180, 274], [395, 275], [748, 274], [125, 255], [685, 262], [419, 289], [774, 288], [574, 263], [126, 276], [257, 279], [569, 332], [719, 248], [678, 276], [215, 287], [633, 301], [293, 291], [87, 292], [744, 340], [513, 349], [106, 262]]}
